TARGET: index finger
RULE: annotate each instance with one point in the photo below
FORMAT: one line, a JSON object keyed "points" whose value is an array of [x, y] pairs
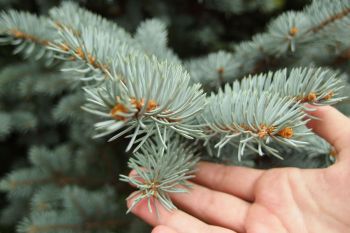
{"points": [[176, 219], [333, 126]]}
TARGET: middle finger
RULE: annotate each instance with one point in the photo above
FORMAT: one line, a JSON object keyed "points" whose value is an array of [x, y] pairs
{"points": [[214, 207]]}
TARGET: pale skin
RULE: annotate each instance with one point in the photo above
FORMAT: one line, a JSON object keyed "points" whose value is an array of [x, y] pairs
{"points": [[227, 199]]}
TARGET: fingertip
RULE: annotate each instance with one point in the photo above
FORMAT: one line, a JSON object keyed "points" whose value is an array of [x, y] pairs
{"points": [[325, 116], [205, 165], [132, 173], [319, 112], [331, 125], [133, 176], [165, 220], [154, 214], [163, 229], [130, 199], [314, 116], [140, 208]]}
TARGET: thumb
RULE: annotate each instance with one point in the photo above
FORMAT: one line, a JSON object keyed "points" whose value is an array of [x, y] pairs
{"points": [[334, 127]]}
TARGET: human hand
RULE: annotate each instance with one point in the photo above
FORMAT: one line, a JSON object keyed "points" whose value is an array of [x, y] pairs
{"points": [[228, 199]]}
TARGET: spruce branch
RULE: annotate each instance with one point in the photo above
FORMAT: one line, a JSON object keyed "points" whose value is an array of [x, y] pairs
{"points": [[254, 120], [46, 198], [152, 36], [76, 210], [267, 108], [160, 172], [23, 121], [241, 6], [31, 34], [6, 124], [58, 167], [51, 221], [68, 109], [327, 12], [73, 40], [96, 50], [23, 182], [14, 211], [318, 154], [74, 18], [292, 34], [100, 43], [40, 35], [216, 68], [317, 86], [286, 32], [146, 97]]}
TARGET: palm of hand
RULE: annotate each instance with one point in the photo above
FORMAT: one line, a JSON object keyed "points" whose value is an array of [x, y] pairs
{"points": [[287, 200], [294, 200]]}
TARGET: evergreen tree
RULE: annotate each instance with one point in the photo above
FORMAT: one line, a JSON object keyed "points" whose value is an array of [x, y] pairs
{"points": [[142, 84]]}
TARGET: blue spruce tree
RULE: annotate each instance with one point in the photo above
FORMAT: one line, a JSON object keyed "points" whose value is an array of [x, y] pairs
{"points": [[166, 85]]}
